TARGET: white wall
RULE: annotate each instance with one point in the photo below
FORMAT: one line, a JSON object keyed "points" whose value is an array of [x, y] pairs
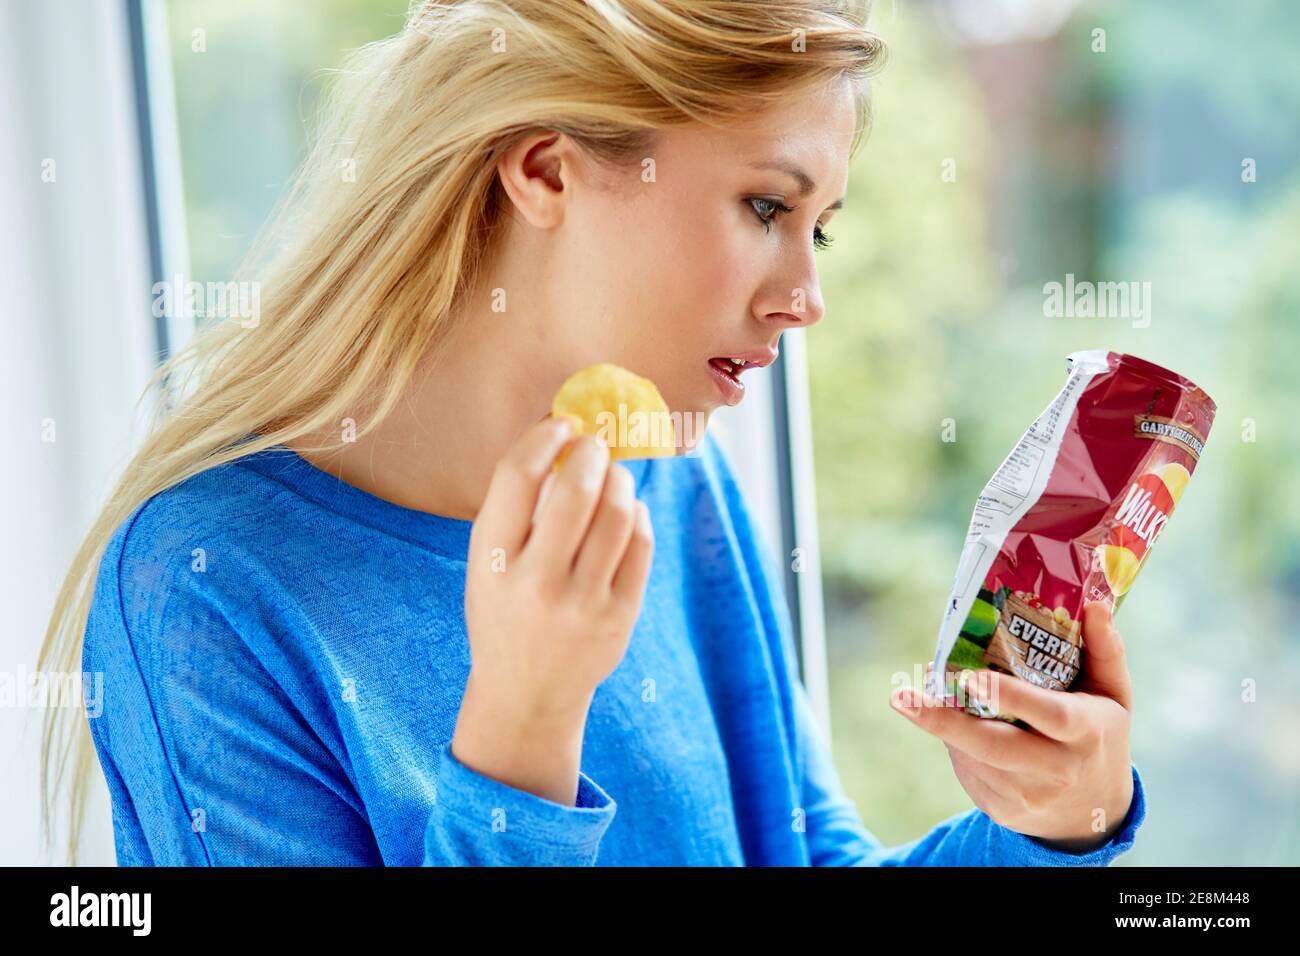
{"points": [[78, 339]]}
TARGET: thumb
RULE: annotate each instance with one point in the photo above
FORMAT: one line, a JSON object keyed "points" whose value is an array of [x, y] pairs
{"points": [[1105, 665]]}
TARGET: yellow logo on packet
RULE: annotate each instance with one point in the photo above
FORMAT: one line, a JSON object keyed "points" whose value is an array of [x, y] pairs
{"points": [[1175, 478], [619, 407], [1120, 566], [1118, 563]]}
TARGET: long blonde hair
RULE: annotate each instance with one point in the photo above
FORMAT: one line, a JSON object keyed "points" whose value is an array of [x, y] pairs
{"points": [[366, 268]]}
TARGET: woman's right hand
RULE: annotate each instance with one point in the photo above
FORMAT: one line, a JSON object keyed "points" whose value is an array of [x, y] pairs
{"points": [[549, 606]]}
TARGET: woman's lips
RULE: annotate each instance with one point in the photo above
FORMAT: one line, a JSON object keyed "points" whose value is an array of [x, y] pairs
{"points": [[727, 378], [726, 371]]}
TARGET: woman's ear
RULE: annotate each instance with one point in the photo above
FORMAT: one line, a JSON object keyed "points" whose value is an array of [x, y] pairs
{"points": [[533, 173]]}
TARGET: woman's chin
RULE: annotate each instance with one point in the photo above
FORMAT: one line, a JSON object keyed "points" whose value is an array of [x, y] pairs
{"points": [[692, 426]]}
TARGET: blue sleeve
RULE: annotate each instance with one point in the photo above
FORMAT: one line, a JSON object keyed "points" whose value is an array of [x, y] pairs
{"points": [[212, 761], [480, 821]]}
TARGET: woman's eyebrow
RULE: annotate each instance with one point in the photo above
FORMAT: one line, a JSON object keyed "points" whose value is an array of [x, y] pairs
{"points": [[806, 184]]}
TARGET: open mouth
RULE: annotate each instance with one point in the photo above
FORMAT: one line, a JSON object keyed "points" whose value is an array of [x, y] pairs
{"points": [[727, 369], [726, 376], [731, 367]]}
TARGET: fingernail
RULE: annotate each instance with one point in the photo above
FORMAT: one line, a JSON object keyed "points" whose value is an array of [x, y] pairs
{"points": [[970, 687]]}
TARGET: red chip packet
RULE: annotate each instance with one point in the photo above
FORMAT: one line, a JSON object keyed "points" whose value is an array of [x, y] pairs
{"points": [[1069, 517]]}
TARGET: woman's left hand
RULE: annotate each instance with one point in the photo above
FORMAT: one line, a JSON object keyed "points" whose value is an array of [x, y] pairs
{"points": [[1067, 781]]}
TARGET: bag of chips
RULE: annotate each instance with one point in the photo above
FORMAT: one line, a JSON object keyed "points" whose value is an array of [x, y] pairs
{"points": [[1069, 517]]}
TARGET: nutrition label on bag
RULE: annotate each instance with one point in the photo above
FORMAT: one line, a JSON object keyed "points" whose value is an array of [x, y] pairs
{"points": [[1044, 426], [1013, 485], [1016, 476]]}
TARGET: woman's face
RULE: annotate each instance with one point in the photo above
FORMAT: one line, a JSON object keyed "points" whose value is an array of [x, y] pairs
{"points": [[669, 269]]}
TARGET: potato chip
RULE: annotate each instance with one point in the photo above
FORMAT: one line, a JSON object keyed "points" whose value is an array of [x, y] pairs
{"points": [[622, 409]]}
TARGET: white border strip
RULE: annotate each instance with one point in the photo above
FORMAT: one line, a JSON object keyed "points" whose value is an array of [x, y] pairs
{"points": [[173, 237]]}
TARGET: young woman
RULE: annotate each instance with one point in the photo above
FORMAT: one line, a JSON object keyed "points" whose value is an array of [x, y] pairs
{"points": [[329, 627]]}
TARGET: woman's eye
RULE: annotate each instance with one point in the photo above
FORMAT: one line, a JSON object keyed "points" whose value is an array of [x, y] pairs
{"points": [[768, 209]]}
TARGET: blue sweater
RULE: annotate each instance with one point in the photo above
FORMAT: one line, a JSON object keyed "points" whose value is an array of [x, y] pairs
{"points": [[284, 655]]}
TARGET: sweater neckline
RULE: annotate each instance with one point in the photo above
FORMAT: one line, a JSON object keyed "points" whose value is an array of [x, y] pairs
{"points": [[439, 533]]}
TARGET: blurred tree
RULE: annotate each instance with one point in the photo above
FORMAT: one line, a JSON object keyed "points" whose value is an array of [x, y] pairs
{"points": [[248, 76], [1126, 166]]}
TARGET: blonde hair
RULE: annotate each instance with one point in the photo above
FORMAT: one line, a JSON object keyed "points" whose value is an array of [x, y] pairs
{"points": [[365, 272]]}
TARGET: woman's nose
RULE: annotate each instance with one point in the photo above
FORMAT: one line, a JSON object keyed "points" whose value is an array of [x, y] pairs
{"points": [[802, 306]]}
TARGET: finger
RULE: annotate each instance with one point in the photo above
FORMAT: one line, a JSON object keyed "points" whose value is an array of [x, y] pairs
{"points": [[1057, 714], [629, 581], [503, 520], [599, 555], [1105, 662], [994, 742], [564, 519], [547, 483]]}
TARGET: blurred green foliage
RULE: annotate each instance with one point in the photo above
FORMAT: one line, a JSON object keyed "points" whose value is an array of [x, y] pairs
{"points": [[1125, 165], [248, 76]]}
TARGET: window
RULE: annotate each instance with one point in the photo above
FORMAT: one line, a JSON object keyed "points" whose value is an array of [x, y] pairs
{"points": [[1013, 146], [247, 76]]}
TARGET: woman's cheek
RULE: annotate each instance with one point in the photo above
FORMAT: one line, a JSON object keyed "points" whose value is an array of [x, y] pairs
{"points": [[724, 281]]}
